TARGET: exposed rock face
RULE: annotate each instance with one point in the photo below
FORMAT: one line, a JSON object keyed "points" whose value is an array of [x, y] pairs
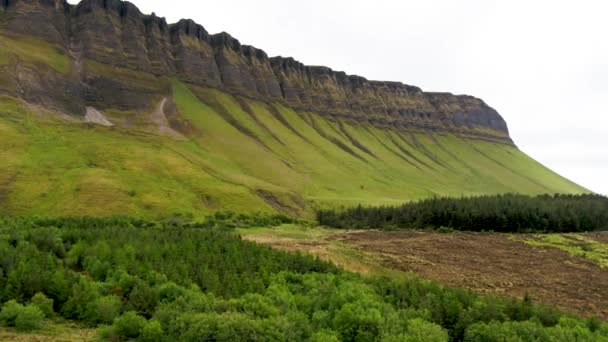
{"points": [[96, 117], [116, 33]]}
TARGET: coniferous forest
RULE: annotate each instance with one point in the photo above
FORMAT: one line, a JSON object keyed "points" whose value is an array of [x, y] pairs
{"points": [[499, 213], [137, 280]]}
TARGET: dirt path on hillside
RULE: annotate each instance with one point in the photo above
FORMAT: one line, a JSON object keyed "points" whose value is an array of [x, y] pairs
{"points": [[159, 118], [493, 263]]}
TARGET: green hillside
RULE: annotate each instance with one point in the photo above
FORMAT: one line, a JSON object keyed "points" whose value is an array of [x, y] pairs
{"points": [[239, 154]]}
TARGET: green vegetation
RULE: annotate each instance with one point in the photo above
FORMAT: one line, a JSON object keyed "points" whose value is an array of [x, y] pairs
{"points": [[501, 213], [24, 318], [290, 231], [244, 156], [171, 281], [33, 50], [574, 244]]}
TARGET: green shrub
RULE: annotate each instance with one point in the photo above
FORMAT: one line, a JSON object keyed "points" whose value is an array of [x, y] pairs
{"points": [[255, 305], [506, 331], [129, 324], [152, 332], [43, 303], [30, 318], [445, 230], [103, 310], [419, 330], [83, 293], [356, 322], [143, 298], [108, 333], [170, 291], [325, 336], [9, 313], [226, 327], [237, 327]]}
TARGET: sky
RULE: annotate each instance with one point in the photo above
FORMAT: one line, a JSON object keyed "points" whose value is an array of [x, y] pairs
{"points": [[542, 64]]}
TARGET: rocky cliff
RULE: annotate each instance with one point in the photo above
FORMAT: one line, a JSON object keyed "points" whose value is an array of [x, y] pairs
{"points": [[98, 33]]}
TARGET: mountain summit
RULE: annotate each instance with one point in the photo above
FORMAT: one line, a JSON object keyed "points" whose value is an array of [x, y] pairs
{"points": [[104, 110]]}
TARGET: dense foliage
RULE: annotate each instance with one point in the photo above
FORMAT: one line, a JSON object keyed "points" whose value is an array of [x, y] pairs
{"points": [[500, 213], [168, 281]]}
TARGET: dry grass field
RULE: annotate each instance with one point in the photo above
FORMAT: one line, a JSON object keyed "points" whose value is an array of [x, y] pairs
{"points": [[563, 270]]}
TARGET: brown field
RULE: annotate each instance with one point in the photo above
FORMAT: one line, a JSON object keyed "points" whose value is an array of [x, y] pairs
{"points": [[487, 263]]}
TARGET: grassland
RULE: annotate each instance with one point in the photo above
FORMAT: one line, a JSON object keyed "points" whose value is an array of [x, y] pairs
{"points": [[53, 331], [239, 155]]}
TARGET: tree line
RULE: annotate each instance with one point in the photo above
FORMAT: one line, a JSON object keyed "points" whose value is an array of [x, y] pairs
{"points": [[500, 213], [138, 280]]}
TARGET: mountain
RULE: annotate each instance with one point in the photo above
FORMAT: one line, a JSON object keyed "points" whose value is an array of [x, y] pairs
{"points": [[105, 110]]}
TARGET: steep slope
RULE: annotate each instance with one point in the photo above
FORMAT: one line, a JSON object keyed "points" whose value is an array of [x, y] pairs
{"points": [[104, 110]]}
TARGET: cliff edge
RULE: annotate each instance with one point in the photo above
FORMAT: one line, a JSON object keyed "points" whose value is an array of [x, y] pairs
{"points": [[116, 33]]}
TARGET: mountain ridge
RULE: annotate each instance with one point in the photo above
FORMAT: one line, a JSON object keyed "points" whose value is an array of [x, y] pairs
{"points": [[116, 33]]}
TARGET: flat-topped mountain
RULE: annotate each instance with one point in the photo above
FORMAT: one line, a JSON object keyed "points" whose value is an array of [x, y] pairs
{"points": [[116, 33], [180, 120]]}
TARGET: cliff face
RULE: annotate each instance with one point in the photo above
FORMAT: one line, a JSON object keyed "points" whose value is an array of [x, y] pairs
{"points": [[116, 33]]}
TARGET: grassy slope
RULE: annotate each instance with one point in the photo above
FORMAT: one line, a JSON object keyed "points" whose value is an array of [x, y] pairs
{"points": [[236, 149], [34, 51], [52, 331]]}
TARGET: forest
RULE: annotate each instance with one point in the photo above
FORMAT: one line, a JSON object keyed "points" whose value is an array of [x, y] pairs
{"points": [[137, 280], [499, 213]]}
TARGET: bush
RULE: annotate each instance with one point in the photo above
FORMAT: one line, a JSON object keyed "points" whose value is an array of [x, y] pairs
{"points": [[83, 293], [507, 331], [152, 332], [419, 330], [43, 303], [9, 313], [356, 322], [30, 318], [170, 291], [255, 305], [108, 333], [103, 310], [129, 325], [325, 336], [143, 299]]}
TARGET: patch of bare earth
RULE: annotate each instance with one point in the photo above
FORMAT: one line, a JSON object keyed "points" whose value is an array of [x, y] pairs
{"points": [[493, 263], [322, 248], [599, 236], [159, 118]]}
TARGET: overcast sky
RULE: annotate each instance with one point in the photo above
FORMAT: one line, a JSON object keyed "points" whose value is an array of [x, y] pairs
{"points": [[542, 64]]}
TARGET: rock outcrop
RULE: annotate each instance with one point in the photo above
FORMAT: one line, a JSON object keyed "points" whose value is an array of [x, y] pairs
{"points": [[116, 33]]}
